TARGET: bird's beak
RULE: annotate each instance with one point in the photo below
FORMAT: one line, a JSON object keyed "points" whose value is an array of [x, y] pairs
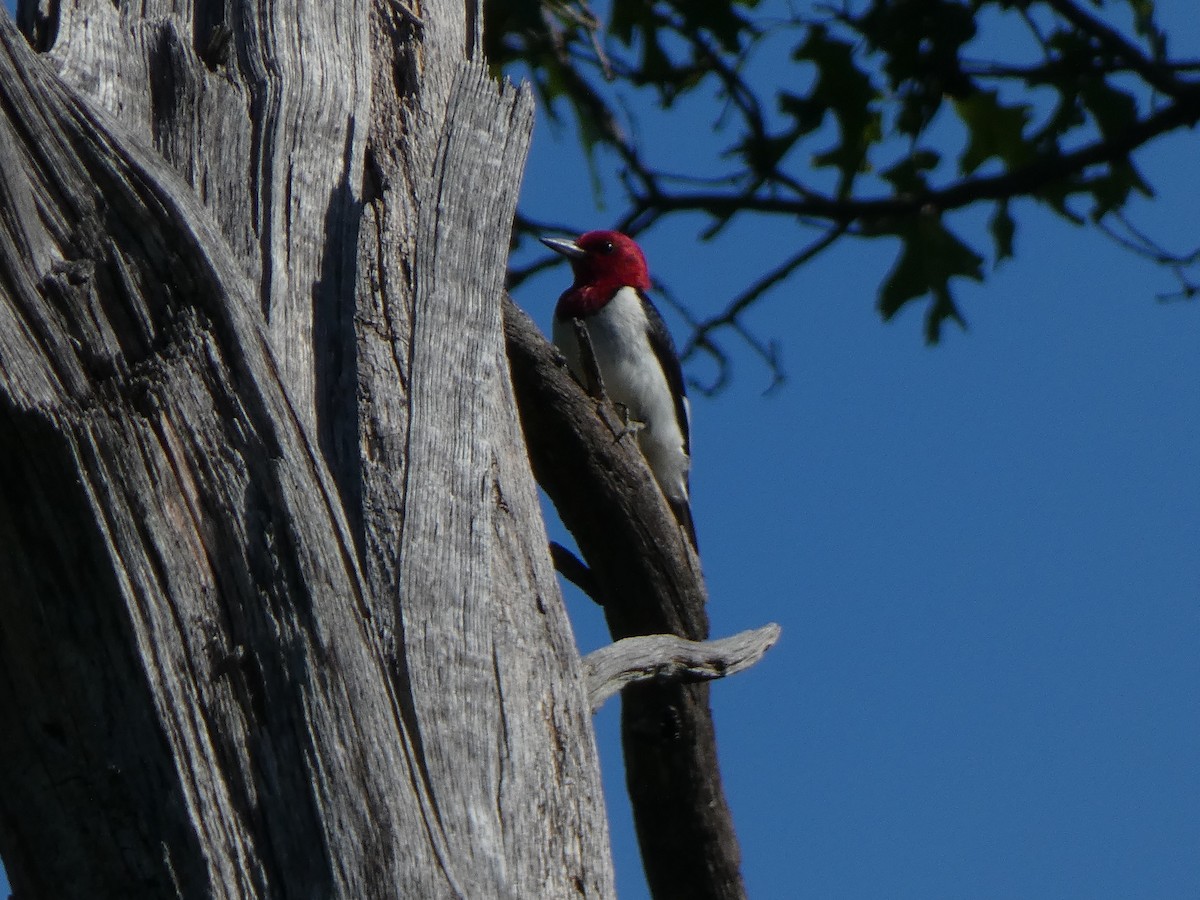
{"points": [[569, 249]]}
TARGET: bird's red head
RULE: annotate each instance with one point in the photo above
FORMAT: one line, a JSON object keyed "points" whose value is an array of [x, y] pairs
{"points": [[610, 256], [603, 263]]}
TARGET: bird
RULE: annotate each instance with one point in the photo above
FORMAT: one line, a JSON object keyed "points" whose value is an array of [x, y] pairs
{"points": [[633, 350]]}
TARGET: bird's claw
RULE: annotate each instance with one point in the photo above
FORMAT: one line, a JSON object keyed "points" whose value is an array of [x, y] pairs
{"points": [[627, 426]]}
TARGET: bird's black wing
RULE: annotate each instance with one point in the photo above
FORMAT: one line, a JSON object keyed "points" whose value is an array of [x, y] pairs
{"points": [[668, 358]]}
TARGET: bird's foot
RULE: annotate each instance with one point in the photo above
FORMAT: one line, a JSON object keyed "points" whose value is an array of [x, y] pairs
{"points": [[625, 425]]}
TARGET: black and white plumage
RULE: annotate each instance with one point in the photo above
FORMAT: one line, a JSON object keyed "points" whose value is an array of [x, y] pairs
{"points": [[634, 353]]}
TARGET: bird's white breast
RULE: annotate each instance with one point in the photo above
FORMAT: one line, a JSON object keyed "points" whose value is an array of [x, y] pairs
{"points": [[633, 377]]}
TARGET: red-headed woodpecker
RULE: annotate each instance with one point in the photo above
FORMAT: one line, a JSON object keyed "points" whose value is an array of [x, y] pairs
{"points": [[634, 353]]}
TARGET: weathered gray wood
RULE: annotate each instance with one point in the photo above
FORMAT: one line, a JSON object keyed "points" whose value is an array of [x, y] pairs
{"points": [[451, 584], [269, 131], [278, 618], [437, 419], [177, 579], [665, 657]]}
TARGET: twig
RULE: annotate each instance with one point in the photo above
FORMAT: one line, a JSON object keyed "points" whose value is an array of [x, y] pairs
{"points": [[1155, 75], [575, 570], [1020, 181], [666, 657], [701, 338]]}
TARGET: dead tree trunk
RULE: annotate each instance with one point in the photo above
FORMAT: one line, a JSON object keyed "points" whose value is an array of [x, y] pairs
{"points": [[277, 616]]}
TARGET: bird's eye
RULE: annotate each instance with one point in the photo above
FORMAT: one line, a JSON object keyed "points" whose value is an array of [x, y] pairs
{"points": [[607, 247]]}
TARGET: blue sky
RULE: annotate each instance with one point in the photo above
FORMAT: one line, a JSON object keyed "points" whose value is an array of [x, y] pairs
{"points": [[983, 556], [983, 559]]}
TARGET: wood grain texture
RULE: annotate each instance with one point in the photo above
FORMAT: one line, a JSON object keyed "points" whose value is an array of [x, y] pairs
{"points": [[666, 657], [450, 584], [179, 579], [437, 418], [278, 617], [263, 108]]}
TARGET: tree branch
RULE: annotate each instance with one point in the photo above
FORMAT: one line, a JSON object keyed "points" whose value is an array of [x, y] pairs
{"points": [[649, 582], [760, 161], [700, 337], [572, 568], [1021, 181], [667, 657], [1157, 76]]}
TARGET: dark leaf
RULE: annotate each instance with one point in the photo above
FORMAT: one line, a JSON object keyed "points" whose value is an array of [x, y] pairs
{"points": [[908, 175], [720, 18], [942, 308], [1003, 229], [921, 42], [996, 131], [1143, 22], [1056, 194], [930, 257], [1113, 109], [628, 17], [1112, 189], [843, 89], [762, 155], [808, 113]]}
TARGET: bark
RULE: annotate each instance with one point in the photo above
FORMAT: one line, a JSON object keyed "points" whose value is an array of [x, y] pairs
{"points": [[649, 582], [278, 618]]}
